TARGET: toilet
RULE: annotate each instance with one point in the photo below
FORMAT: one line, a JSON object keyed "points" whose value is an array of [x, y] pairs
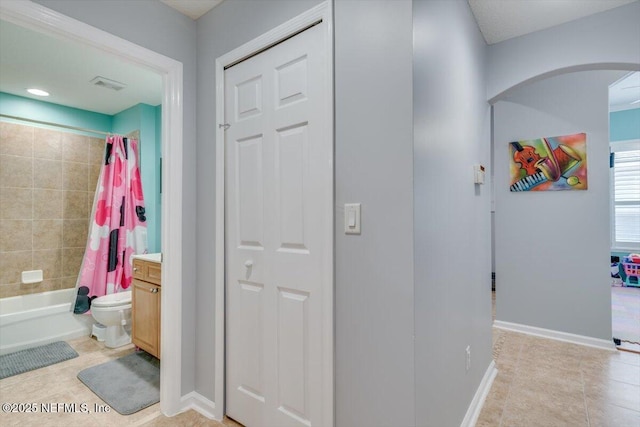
{"points": [[114, 312]]}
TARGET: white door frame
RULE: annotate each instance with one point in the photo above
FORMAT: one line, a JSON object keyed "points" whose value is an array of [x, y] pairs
{"points": [[322, 12], [42, 19]]}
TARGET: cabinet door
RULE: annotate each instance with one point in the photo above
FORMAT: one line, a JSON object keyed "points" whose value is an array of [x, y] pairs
{"points": [[138, 269], [153, 272], [146, 317]]}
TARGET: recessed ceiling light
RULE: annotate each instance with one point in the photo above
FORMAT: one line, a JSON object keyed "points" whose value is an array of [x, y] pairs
{"points": [[38, 92]]}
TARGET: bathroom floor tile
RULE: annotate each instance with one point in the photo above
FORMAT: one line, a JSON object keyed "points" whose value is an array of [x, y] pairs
{"points": [[52, 387]]}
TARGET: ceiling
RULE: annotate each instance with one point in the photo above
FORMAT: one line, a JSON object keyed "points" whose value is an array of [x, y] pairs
{"points": [[501, 20], [498, 20], [625, 93], [194, 9], [65, 68]]}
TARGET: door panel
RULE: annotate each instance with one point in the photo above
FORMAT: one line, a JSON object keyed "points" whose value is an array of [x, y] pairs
{"points": [[293, 350], [250, 306], [249, 186], [248, 96], [279, 182], [292, 81], [291, 164]]}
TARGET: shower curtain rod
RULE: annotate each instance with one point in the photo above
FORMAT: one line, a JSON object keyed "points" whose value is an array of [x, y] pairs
{"points": [[55, 124]]}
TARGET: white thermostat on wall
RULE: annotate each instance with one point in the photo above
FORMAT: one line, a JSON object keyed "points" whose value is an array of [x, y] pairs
{"points": [[478, 174]]}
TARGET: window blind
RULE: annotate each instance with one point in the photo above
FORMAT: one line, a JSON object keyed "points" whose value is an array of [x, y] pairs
{"points": [[626, 198]]}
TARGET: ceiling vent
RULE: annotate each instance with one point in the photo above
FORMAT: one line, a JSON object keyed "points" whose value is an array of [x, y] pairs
{"points": [[107, 83]]}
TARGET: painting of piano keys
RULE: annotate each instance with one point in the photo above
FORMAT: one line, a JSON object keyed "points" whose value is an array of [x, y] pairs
{"points": [[549, 164]]}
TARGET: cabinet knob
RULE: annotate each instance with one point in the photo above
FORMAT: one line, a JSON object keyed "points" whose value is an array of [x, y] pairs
{"points": [[153, 290], [135, 268]]}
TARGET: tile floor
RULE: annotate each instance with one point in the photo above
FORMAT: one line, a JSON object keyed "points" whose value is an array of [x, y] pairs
{"points": [[58, 384], [540, 382], [550, 383]]}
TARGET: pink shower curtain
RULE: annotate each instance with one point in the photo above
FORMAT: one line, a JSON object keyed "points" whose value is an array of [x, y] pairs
{"points": [[118, 226]]}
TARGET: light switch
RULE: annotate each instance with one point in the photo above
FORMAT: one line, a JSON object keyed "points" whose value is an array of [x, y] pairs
{"points": [[352, 218]]}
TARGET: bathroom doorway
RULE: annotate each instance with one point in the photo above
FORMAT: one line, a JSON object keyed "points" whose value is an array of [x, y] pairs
{"points": [[53, 24]]}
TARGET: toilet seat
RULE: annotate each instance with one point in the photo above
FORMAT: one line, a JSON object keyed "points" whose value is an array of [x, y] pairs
{"points": [[112, 300]]}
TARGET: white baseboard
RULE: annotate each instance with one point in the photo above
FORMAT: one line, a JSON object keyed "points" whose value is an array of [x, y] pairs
{"points": [[477, 403], [556, 335], [199, 403]]}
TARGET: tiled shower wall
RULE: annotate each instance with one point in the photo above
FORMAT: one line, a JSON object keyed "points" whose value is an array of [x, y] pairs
{"points": [[47, 184]]}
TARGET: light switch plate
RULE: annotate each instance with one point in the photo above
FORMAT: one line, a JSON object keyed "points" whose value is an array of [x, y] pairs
{"points": [[352, 218]]}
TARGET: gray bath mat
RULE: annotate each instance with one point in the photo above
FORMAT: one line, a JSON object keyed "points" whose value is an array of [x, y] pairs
{"points": [[34, 358], [127, 384]]}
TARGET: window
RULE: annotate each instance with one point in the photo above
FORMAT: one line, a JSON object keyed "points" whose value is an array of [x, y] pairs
{"points": [[625, 196]]}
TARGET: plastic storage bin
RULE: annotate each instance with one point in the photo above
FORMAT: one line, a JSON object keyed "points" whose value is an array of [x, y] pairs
{"points": [[632, 271]]}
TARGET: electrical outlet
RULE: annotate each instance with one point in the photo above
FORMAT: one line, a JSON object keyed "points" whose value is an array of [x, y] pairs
{"points": [[468, 351]]}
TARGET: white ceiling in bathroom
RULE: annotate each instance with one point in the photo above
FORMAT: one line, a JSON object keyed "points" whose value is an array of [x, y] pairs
{"points": [[65, 68]]}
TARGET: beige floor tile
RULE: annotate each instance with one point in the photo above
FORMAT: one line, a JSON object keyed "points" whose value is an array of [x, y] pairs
{"points": [[614, 370], [539, 408], [596, 358], [606, 415], [552, 365], [231, 423], [84, 345], [189, 418], [551, 383], [491, 414], [613, 392], [500, 389], [114, 419], [507, 369]]}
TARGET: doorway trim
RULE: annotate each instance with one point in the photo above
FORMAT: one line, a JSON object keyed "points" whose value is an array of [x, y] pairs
{"points": [[322, 12], [42, 19]]}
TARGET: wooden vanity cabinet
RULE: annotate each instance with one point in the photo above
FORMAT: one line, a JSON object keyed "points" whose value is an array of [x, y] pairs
{"points": [[145, 306]]}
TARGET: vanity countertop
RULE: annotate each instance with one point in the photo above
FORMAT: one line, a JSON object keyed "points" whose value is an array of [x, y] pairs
{"points": [[150, 257]]}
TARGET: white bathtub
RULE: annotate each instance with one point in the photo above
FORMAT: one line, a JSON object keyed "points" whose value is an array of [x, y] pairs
{"points": [[31, 320]]}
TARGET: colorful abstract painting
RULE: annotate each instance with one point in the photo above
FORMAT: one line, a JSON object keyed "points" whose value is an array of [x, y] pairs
{"points": [[549, 164]]}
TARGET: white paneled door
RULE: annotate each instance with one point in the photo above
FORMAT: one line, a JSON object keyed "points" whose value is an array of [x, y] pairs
{"points": [[279, 182]]}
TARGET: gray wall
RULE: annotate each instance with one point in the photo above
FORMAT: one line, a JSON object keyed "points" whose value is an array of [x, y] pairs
{"points": [[611, 37], [374, 280], [376, 381], [451, 215], [226, 27], [374, 271], [552, 248], [157, 27]]}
